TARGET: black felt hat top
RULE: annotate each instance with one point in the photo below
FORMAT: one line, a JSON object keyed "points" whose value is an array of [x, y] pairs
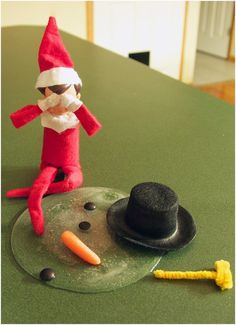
{"points": [[152, 217]]}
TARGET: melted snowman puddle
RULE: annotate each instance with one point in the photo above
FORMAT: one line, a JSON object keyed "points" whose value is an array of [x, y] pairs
{"points": [[60, 218], [122, 263]]}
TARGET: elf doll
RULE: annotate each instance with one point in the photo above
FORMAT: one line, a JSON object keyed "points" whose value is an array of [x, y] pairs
{"points": [[61, 113]]}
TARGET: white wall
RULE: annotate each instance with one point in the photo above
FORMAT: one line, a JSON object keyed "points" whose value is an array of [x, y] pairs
{"points": [[71, 16], [122, 26], [190, 44], [135, 26], [232, 45]]}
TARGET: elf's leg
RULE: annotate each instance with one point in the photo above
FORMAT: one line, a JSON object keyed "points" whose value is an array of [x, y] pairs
{"points": [[39, 188], [73, 179], [24, 191], [18, 192]]}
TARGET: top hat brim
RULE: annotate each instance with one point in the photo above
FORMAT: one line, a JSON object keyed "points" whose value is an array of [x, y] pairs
{"points": [[185, 231]]}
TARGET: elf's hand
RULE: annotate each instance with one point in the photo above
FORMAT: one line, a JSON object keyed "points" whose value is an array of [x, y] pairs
{"points": [[70, 102], [50, 101]]}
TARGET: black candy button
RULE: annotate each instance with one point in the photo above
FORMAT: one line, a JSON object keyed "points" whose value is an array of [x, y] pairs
{"points": [[47, 274], [90, 206], [84, 225]]}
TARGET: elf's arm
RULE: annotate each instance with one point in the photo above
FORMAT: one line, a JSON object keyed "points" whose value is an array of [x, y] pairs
{"points": [[25, 115], [87, 120], [28, 113]]}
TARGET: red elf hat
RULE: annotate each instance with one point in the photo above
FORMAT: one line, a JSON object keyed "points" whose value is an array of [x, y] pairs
{"points": [[55, 63]]}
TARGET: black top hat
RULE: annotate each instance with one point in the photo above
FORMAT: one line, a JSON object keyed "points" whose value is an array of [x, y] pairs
{"points": [[152, 217]]}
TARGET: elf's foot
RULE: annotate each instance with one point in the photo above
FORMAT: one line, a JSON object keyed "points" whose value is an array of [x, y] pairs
{"points": [[39, 188], [37, 221], [73, 179], [18, 192]]}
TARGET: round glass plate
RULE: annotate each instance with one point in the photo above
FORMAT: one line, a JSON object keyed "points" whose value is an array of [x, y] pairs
{"points": [[122, 262]]}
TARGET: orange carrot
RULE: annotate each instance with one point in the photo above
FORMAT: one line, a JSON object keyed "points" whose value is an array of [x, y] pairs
{"points": [[79, 248]]}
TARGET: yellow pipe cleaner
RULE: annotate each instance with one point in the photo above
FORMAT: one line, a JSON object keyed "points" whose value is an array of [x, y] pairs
{"points": [[222, 275]]}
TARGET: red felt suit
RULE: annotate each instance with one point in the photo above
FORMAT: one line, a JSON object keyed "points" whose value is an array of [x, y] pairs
{"points": [[60, 149]]}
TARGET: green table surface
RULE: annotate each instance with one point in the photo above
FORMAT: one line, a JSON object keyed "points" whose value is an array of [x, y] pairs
{"points": [[154, 129]]}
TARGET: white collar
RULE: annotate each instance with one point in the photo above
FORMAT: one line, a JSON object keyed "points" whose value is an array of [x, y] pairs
{"points": [[59, 123]]}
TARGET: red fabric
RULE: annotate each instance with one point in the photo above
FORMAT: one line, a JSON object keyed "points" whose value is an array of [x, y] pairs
{"points": [[25, 115], [74, 179], [39, 188], [60, 149], [43, 184], [52, 52], [87, 120], [18, 192]]}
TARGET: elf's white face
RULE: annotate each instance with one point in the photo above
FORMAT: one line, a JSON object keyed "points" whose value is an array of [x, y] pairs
{"points": [[58, 109]]}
